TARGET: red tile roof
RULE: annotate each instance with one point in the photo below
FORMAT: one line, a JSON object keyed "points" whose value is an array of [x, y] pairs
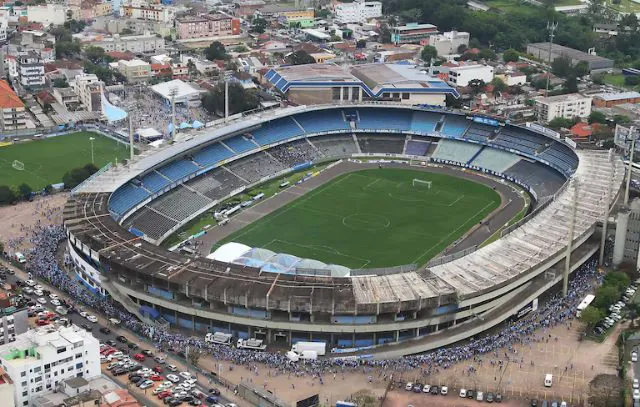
{"points": [[8, 98], [581, 130]]}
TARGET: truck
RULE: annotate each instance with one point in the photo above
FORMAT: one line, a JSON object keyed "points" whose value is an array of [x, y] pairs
{"points": [[220, 338], [308, 355], [20, 258], [252, 343], [319, 347]]}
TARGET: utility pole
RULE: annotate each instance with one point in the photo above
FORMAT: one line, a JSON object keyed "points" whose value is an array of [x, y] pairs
{"points": [[226, 99], [572, 223], [130, 138], [173, 93], [551, 27]]}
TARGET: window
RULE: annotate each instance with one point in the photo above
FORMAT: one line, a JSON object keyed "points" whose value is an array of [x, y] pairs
{"points": [[24, 393], [38, 379], [26, 402], [24, 384], [78, 355], [39, 388], [23, 374], [37, 369], [79, 365]]}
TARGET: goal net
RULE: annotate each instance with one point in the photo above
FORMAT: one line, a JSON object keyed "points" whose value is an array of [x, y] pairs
{"points": [[421, 183], [18, 165]]}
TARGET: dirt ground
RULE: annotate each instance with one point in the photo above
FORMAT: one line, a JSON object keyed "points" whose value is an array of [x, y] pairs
{"points": [[17, 220], [573, 364]]}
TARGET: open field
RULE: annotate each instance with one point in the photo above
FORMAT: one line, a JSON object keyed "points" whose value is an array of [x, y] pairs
{"points": [[373, 218], [46, 161]]}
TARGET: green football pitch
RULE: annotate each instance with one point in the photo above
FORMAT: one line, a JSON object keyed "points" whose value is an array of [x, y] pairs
{"points": [[374, 218], [45, 161]]}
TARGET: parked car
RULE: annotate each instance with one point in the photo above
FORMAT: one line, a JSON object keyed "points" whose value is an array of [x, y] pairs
{"points": [[105, 330]]}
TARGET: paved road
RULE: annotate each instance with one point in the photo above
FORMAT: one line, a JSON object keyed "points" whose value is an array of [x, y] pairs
{"points": [[203, 383]]}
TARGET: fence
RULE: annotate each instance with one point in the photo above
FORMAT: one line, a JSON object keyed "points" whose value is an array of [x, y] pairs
{"points": [[405, 268]]}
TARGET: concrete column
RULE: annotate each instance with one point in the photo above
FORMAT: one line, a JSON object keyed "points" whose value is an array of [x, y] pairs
{"points": [[193, 321], [621, 235], [341, 93], [289, 337], [572, 222], [397, 336], [269, 336], [360, 94]]}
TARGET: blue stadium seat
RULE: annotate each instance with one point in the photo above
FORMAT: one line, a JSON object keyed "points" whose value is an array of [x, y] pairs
{"points": [[384, 119], [276, 130], [424, 122], [239, 144], [417, 147], [178, 169], [322, 120], [454, 126], [154, 182], [212, 154], [126, 197]]}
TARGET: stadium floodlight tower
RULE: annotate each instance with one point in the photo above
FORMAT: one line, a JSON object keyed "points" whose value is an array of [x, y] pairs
{"points": [[173, 92], [226, 99], [130, 137], [605, 215], [575, 187], [551, 27]]}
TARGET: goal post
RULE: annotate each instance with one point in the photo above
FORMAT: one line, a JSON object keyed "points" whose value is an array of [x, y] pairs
{"points": [[421, 183], [18, 165]]}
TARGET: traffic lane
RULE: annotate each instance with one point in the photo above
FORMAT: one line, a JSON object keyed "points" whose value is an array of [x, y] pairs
{"points": [[79, 320]]}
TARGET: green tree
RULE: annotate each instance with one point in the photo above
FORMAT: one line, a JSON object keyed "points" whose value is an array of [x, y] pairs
{"points": [[385, 34], [476, 85], [240, 100], [632, 80], [215, 50], [622, 119], [7, 195], [25, 191], [322, 13], [300, 57], [560, 122], [618, 279], [605, 296], [561, 67], [591, 316], [60, 83], [487, 53], [597, 117], [511, 55], [428, 53], [498, 85], [96, 55], [581, 69], [67, 48], [259, 25], [571, 84]]}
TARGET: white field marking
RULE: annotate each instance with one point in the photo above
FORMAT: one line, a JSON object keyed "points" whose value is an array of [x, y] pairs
{"points": [[452, 232], [372, 183], [457, 200], [374, 224]]}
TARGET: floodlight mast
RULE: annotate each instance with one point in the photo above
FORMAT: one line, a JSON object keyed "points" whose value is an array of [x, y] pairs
{"points": [[551, 27]]}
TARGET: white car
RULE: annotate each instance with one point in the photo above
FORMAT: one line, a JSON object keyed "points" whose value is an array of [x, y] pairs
{"points": [[444, 390], [185, 375], [53, 296], [636, 394], [92, 318], [426, 388], [172, 368], [146, 384], [30, 283], [42, 300], [38, 287], [173, 378], [39, 293], [192, 381], [615, 316], [636, 385], [83, 314], [55, 302], [634, 357], [463, 393]]}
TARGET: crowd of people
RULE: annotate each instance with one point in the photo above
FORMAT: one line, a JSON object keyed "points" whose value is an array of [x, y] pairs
{"points": [[529, 329]]}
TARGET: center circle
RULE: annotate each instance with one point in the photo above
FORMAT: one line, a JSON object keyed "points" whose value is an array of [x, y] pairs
{"points": [[366, 221]]}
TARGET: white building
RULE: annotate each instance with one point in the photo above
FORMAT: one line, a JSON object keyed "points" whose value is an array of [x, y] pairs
{"points": [[41, 358], [88, 88], [142, 10], [358, 12], [6, 389], [448, 42], [4, 26], [47, 14], [462, 75], [567, 106], [145, 43], [30, 69]]}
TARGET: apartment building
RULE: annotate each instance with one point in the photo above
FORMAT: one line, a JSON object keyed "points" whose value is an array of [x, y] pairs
{"points": [[412, 33], [13, 116], [358, 12], [47, 14], [206, 26], [142, 10], [31, 69], [566, 106], [145, 43], [135, 70], [462, 75], [89, 89], [42, 358], [448, 42]]}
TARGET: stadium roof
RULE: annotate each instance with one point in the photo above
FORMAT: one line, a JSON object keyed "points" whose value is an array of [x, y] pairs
{"points": [[229, 252], [374, 79], [182, 90]]}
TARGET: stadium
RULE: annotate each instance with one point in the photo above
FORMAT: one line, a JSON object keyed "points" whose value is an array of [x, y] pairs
{"points": [[116, 220]]}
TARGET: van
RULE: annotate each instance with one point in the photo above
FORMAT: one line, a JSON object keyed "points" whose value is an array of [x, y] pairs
{"points": [[548, 380], [20, 258]]}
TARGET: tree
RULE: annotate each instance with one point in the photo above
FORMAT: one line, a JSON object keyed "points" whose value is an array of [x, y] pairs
{"points": [[591, 316], [96, 55], [476, 85], [259, 25], [462, 48], [581, 69], [605, 296], [605, 391], [428, 53], [322, 13], [73, 178], [597, 117], [300, 57], [632, 80], [622, 119], [498, 85], [193, 355], [511, 55], [25, 191], [240, 100], [487, 53], [385, 34], [7, 195], [67, 48], [560, 122], [215, 50], [571, 84], [361, 44], [618, 279], [561, 67], [60, 83]]}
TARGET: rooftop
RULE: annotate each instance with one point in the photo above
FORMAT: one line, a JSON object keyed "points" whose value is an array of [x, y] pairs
{"points": [[409, 27], [562, 98], [617, 96], [569, 52], [315, 73], [8, 98]]}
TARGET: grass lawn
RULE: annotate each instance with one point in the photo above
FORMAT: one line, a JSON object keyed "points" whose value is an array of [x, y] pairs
{"points": [[374, 218], [614, 79], [46, 161], [625, 6]]}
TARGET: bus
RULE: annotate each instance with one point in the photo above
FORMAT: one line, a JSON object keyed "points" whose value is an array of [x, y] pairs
{"points": [[584, 304]]}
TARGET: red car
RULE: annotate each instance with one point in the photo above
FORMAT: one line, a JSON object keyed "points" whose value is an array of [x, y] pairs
{"points": [[109, 351], [42, 322], [157, 378], [139, 357], [164, 394], [157, 369]]}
